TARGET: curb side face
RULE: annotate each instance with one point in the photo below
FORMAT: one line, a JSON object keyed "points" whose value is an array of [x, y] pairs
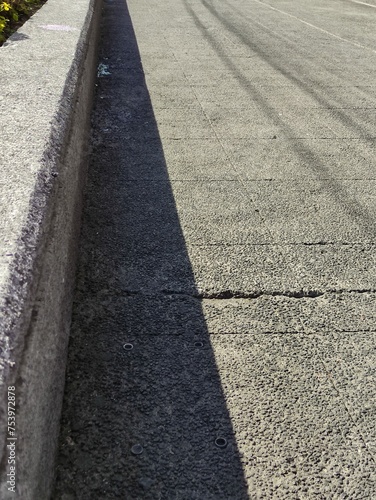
{"points": [[45, 112]]}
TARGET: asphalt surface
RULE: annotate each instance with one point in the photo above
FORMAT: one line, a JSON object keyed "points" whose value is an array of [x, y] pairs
{"points": [[229, 238]]}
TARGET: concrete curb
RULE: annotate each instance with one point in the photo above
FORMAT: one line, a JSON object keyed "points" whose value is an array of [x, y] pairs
{"points": [[48, 71]]}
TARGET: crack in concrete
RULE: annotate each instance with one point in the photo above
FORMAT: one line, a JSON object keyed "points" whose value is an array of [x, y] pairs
{"points": [[287, 244], [238, 294], [228, 294], [302, 332]]}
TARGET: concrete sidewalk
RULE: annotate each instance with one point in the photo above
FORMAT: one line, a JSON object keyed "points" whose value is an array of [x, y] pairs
{"points": [[227, 282]]}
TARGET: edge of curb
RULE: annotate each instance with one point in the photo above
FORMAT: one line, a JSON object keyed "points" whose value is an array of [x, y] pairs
{"points": [[35, 308]]}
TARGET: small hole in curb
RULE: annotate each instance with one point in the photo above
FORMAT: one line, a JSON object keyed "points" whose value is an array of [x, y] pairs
{"points": [[199, 344], [128, 347], [137, 449], [221, 442]]}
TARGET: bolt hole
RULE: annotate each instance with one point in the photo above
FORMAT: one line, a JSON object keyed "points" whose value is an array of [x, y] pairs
{"points": [[221, 442], [199, 344], [128, 347], [137, 449]]}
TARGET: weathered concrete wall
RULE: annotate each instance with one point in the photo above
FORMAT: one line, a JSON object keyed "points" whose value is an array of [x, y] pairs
{"points": [[47, 80]]}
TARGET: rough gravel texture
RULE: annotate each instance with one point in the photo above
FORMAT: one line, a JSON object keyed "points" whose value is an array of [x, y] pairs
{"points": [[229, 237]]}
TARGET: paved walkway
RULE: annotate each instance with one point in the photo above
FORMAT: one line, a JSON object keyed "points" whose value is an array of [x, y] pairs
{"points": [[229, 245]]}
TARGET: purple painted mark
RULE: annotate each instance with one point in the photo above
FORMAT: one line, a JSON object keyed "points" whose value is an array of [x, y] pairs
{"points": [[57, 27]]}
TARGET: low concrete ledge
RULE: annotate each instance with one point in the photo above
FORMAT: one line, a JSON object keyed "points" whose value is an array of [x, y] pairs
{"points": [[47, 72]]}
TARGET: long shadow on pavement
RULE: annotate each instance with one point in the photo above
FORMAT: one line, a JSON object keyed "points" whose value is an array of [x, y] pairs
{"points": [[141, 371]]}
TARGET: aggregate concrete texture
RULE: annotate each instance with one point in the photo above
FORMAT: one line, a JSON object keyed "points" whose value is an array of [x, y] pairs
{"points": [[226, 286], [47, 78]]}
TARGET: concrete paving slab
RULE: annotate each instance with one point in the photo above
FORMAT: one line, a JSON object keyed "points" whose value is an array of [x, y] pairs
{"points": [[232, 77], [135, 315], [303, 121], [165, 76], [277, 267], [189, 123], [194, 40], [269, 23], [173, 97], [316, 211], [194, 64], [194, 163], [183, 159], [198, 160], [346, 312], [357, 123], [257, 122], [147, 267], [218, 212], [324, 448], [175, 410], [350, 365], [304, 158], [265, 41], [342, 24], [168, 312], [150, 220], [281, 96]]}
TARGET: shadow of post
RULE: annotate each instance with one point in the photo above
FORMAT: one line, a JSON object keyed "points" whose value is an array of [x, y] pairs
{"points": [[141, 368]]}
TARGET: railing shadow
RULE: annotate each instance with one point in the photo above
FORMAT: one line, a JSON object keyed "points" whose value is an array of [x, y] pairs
{"points": [[336, 189], [141, 369]]}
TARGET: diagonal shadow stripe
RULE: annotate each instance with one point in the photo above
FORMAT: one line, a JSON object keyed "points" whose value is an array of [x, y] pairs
{"points": [[295, 69], [337, 191]]}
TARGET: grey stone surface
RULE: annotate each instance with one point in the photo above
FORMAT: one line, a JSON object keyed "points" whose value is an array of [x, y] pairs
{"points": [[228, 236], [164, 313], [312, 211], [325, 268], [177, 435], [48, 68], [188, 160], [294, 430], [350, 365], [148, 264], [270, 314], [307, 158]]}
